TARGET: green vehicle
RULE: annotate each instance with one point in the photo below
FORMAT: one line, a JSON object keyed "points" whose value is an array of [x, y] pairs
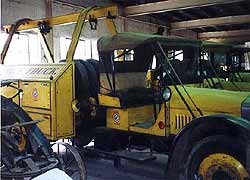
{"points": [[240, 64], [216, 64]]}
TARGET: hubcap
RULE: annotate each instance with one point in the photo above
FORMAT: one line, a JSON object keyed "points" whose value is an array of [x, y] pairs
{"points": [[222, 167]]}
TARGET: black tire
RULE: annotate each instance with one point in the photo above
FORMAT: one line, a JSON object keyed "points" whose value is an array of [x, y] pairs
{"points": [[88, 88], [95, 64], [93, 78], [82, 80], [192, 155]]}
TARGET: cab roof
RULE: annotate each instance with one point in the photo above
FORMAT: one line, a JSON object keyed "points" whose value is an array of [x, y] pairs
{"points": [[241, 48], [216, 47], [130, 40]]}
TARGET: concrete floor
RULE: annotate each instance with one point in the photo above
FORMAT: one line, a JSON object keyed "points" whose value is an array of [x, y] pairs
{"points": [[102, 169]]}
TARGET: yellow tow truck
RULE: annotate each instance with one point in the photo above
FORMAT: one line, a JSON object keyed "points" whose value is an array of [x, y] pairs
{"points": [[136, 94]]}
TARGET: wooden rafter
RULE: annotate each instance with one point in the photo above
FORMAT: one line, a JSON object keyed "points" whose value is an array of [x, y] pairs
{"points": [[220, 21], [170, 5]]}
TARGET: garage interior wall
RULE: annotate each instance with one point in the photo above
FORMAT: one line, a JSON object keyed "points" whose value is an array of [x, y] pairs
{"points": [[13, 10]]}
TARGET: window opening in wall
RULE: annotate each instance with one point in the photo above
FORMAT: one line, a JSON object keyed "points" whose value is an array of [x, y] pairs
{"points": [[64, 46], [24, 49], [124, 55], [86, 48], [94, 51]]}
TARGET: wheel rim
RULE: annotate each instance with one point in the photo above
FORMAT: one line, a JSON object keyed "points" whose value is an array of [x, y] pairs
{"points": [[223, 167], [71, 161]]}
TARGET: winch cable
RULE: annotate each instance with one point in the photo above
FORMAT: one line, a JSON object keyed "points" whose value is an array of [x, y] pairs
{"points": [[176, 75]]}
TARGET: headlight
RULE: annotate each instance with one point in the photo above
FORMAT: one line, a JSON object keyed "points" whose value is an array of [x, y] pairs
{"points": [[166, 94], [245, 109]]}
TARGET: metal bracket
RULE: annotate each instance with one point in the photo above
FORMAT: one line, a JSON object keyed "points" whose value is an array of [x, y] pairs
{"points": [[92, 22], [44, 27], [110, 16]]}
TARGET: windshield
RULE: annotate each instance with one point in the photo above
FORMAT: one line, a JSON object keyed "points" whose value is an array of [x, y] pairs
{"points": [[180, 64]]}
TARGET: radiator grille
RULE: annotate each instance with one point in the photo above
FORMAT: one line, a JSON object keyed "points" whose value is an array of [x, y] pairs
{"points": [[181, 120]]}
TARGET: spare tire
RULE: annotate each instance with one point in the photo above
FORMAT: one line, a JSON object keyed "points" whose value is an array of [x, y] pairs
{"points": [[86, 85], [81, 80], [93, 87], [95, 64]]}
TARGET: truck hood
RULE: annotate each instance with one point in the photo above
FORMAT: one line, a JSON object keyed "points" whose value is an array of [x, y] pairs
{"points": [[209, 101]]}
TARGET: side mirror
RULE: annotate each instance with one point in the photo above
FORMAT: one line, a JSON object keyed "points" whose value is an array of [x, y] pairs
{"points": [[166, 94]]}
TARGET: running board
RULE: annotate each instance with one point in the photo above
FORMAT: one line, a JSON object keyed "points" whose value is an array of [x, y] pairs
{"points": [[116, 156], [135, 155]]}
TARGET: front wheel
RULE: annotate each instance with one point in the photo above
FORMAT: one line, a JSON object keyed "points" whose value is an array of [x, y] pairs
{"points": [[215, 158]]}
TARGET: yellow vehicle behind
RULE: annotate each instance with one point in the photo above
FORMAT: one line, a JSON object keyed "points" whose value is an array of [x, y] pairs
{"points": [[195, 125]]}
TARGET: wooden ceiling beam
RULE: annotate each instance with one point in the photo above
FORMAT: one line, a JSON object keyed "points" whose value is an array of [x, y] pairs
{"points": [[171, 5], [220, 21], [231, 40], [224, 34]]}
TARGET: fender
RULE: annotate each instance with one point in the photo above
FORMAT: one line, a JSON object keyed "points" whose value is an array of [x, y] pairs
{"points": [[217, 124]]}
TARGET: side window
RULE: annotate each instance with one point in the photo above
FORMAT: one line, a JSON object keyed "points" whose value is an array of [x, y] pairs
{"points": [[170, 54], [204, 55], [153, 66], [220, 58], [124, 55], [178, 55], [175, 55]]}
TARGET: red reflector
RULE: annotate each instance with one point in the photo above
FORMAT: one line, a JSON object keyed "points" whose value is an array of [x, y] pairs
{"points": [[161, 125]]}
